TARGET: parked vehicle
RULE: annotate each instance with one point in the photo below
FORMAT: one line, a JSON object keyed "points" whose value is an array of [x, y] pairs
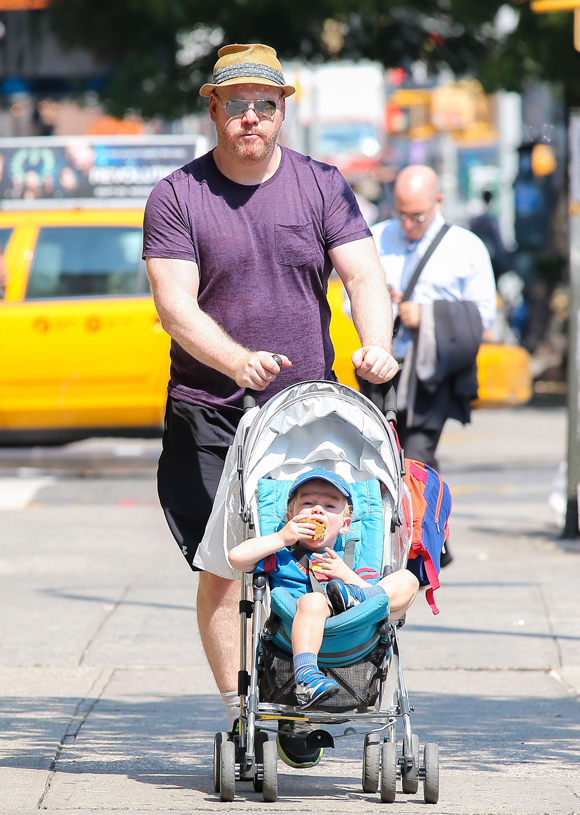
{"points": [[81, 345]]}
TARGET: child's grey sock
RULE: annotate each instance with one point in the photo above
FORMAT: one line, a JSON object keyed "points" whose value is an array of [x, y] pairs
{"points": [[303, 663]]}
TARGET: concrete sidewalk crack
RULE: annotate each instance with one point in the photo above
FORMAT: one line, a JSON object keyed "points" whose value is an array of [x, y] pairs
{"points": [[103, 622], [550, 626], [572, 791], [79, 717]]}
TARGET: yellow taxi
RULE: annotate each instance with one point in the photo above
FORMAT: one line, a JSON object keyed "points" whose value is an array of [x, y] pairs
{"points": [[81, 346]]}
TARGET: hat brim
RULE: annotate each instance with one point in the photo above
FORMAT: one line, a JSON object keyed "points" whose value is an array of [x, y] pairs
{"points": [[306, 477], [206, 90]]}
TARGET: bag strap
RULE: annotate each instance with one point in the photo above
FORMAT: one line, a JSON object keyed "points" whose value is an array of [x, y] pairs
{"points": [[420, 266], [424, 260], [304, 561], [348, 554]]}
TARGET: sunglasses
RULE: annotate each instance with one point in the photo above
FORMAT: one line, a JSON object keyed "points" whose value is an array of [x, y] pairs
{"points": [[262, 107]]}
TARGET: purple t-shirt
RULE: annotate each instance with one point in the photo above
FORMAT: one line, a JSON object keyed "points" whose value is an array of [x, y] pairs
{"points": [[262, 255]]}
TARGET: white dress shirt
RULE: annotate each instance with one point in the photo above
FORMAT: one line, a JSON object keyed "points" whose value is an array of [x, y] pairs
{"points": [[459, 269]]}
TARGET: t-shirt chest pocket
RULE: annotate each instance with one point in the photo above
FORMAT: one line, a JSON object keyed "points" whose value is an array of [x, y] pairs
{"points": [[295, 244]]}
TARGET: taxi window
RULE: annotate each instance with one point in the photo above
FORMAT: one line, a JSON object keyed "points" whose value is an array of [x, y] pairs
{"points": [[87, 261], [5, 233]]}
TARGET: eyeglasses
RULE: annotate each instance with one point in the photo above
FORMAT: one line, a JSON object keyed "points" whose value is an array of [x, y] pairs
{"points": [[237, 107], [417, 219]]}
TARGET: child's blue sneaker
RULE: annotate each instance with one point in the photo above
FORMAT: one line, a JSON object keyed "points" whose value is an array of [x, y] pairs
{"points": [[344, 595], [314, 688]]}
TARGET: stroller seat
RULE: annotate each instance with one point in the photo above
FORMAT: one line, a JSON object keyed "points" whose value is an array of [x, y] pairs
{"points": [[348, 637]]}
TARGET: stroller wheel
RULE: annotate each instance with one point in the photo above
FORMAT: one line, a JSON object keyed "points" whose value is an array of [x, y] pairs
{"points": [[431, 785], [260, 740], [371, 768], [411, 785], [270, 789], [218, 739], [227, 771], [388, 772]]}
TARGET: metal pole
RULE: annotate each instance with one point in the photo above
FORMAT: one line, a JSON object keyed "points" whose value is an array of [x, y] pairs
{"points": [[571, 524]]}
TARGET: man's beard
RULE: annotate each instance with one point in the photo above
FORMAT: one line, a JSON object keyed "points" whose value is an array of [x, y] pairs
{"points": [[249, 152]]}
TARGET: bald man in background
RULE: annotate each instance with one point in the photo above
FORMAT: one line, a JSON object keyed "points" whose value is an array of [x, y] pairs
{"points": [[442, 322]]}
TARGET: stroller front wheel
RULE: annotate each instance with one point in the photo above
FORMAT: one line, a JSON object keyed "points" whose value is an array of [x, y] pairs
{"points": [[218, 740], [431, 785], [388, 772], [270, 782], [227, 771], [260, 740], [371, 768]]}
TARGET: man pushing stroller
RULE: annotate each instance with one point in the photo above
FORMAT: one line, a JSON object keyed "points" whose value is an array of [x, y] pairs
{"points": [[301, 558]]}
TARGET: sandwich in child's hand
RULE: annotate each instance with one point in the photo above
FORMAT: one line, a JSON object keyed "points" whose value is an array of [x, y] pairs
{"points": [[320, 527]]}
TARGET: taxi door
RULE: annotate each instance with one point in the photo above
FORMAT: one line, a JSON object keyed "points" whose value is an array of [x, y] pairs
{"points": [[82, 345]]}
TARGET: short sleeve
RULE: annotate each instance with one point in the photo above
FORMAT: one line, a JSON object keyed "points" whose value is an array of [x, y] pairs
{"points": [[343, 221], [267, 565], [480, 283], [166, 233]]}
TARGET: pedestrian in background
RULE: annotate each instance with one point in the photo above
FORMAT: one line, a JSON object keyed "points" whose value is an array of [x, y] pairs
{"points": [[486, 227], [240, 244], [442, 283]]}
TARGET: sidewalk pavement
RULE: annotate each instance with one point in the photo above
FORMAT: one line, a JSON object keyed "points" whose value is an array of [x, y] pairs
{"points": [[108, 703]]}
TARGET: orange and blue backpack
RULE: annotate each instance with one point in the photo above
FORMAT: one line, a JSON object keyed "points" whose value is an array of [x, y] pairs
{"points": [[431, 506]]}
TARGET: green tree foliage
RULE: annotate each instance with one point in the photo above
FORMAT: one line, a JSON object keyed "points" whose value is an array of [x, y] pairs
{"points": [[541, 48], [157, 53]]}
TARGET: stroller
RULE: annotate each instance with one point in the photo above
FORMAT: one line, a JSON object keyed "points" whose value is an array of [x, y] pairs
{"points": [[309, 425]]}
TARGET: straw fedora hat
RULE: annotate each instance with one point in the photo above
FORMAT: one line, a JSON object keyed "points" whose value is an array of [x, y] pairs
{"points": [[247, 64]]}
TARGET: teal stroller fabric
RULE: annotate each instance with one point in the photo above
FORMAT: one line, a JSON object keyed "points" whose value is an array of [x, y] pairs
{"points": [[367, 526], [350, 636]]}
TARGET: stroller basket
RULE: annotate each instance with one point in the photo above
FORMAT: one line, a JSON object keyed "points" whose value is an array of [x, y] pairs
{"points": [[359, 683]]}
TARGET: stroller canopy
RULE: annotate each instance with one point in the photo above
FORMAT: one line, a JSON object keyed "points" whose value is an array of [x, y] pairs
{"points": [[320, 424], [304, 426]]}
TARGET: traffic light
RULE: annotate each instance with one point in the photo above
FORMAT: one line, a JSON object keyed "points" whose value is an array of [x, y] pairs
{"points": [[535, 197]]}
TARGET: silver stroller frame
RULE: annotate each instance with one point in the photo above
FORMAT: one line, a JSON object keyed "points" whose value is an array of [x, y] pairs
{"points": [[249, 755]]}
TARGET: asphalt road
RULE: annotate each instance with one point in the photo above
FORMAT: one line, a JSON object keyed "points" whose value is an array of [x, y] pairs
{"points": [[108, 704]]}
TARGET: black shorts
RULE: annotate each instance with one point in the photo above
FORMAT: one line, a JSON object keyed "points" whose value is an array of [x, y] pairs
{"points": [[195, 444]]}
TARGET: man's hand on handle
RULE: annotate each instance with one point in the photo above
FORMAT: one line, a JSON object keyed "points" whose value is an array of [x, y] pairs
{"points": [[375, 364], [256, 369]]}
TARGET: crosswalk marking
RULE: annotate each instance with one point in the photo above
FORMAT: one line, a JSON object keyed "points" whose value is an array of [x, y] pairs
{"points": [[17, 493]]}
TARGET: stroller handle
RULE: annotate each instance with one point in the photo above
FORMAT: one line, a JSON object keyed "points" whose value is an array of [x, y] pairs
{"points": [[390, 403], [249, 400]]}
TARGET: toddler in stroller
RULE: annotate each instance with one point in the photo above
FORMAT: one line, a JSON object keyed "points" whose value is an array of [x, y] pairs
{"points": [[301, 558], [353, 672]]}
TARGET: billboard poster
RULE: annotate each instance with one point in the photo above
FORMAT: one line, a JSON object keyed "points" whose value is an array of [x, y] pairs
{"points": [[91, 171]]}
